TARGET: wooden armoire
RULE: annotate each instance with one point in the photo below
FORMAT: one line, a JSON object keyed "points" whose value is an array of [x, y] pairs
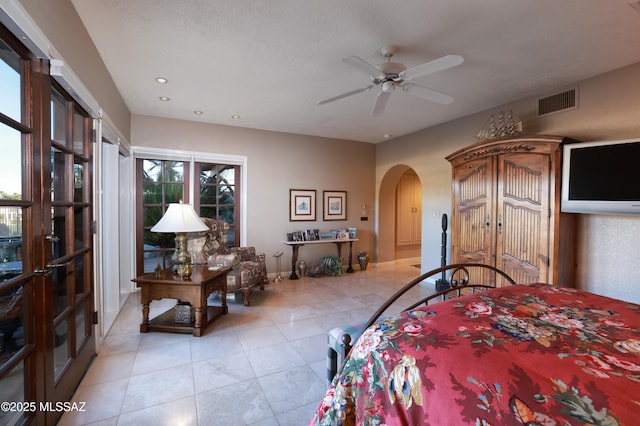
{"points": [[506, 210]]}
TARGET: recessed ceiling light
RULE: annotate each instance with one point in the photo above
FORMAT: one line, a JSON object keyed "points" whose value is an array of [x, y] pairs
{"points": [[235, 116], [387, 135], [161, 80], [197, 112], [164, 98]]}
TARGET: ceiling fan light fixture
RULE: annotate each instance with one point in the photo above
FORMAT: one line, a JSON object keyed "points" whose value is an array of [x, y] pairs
{"points": [[388, 86]]}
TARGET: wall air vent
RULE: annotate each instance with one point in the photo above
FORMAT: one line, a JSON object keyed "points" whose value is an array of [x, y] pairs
{"points": [[558, 102]]}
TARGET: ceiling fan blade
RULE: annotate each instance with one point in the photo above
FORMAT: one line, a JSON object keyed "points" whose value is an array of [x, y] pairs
{"points": [[363, 66], [344, 95], [432, 67], [381, 103], [425, 93]]}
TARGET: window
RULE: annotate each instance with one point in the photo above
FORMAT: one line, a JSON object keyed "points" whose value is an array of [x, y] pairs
{"points": [[163, 181], [217, 188], [160, 183]]}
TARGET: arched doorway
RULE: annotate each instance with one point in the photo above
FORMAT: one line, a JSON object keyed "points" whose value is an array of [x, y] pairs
{"points": [[399, 215]]}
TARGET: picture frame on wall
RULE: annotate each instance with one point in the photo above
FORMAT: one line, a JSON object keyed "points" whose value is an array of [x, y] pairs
{"points": [[335, 205], [302, 205]]}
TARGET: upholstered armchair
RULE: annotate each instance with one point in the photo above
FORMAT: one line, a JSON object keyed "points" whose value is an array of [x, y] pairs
{"points": [[210, 247]]}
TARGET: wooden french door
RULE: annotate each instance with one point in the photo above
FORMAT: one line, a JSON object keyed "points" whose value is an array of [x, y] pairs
{"points": [[46, 266], [67, 267]]}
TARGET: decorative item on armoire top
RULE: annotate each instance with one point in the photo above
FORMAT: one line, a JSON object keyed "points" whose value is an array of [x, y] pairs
{"points": [[501, 127]]}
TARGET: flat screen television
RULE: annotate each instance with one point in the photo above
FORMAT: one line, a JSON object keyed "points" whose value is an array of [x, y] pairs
{"points": [[601, 177]]}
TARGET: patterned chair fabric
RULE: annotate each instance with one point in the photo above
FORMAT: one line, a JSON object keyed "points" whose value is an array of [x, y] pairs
{"points": [[210, 247]]}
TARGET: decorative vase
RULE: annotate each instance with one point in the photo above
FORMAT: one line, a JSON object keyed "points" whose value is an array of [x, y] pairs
{"points": [[363, 260], [302, 266]]}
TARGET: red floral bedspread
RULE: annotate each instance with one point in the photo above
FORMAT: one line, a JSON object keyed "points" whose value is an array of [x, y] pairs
{"points": [[532, 355]]}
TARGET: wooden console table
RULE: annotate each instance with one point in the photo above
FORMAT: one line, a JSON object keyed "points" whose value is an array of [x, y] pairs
{"points": [[295, 245], [194, 290]]}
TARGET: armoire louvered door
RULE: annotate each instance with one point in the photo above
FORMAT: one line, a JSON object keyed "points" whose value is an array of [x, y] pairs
{"points": [[506, 211]]}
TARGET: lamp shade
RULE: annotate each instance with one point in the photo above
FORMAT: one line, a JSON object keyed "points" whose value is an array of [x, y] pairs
{"points": [[179, 217]]}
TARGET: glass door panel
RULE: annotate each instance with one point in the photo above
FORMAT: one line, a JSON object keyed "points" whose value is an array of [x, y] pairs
{"points": [[58, 118], [12, 389], [78, 182], [11, 321], [10, 82], [10, 242], [81, 227], [58, 237], [10, 163], [79, 147], [58, 181], [61, 350]]}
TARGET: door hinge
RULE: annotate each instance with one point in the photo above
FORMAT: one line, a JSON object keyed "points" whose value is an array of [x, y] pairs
{"points": [[94, 227], [94, 318]]}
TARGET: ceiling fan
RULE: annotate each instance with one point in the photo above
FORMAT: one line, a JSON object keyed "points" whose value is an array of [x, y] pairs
{"points": [[391, 75]]}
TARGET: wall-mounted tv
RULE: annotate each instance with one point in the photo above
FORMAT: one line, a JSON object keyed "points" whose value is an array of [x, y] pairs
{"points": [[601, 177]]}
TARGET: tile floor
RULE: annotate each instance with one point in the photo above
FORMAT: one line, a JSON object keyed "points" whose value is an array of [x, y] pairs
{"points": [[260, 365]]}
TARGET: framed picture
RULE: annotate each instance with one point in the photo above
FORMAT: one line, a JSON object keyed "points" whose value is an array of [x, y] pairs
{"points": [[335, 205], [302, 205]]}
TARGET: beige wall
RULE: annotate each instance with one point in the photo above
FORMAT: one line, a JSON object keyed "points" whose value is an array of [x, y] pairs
{"points": [[608, 246], [277, 162]]}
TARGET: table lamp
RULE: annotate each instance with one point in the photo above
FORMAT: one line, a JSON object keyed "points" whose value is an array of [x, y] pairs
{"points": [[180, 218]]}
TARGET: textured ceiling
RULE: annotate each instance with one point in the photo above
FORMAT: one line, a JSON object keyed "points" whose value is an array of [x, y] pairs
{"points": [[270, 62]]}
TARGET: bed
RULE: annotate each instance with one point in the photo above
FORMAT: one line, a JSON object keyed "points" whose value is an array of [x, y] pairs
{"points": [[533, 354]]}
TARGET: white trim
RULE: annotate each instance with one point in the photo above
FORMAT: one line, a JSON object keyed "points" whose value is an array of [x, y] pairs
{"points": [[111, 133], [172, 154], [205, 157], [98, 283], [14, 17], [72, 84]]}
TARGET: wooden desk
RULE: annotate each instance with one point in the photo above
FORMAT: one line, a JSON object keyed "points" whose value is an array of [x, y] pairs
{"points": [[295, 245], [194, 290]]}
